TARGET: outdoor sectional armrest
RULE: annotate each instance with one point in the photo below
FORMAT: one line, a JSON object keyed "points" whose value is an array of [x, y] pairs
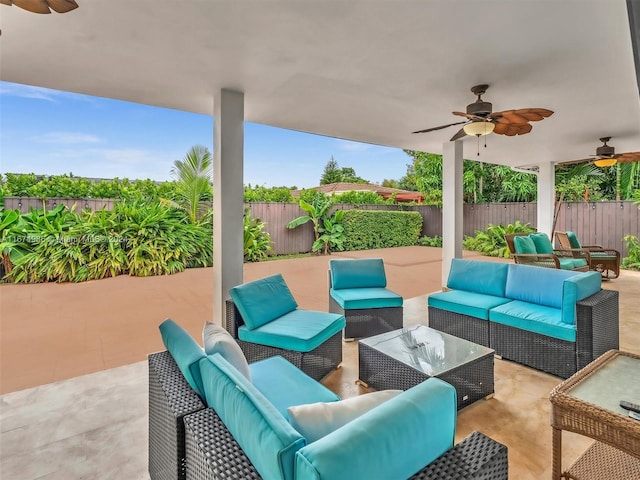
{"points": [[597, 326], [211, 451]]}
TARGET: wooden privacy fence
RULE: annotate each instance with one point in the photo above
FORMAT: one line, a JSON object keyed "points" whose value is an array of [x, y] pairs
{"points": [[604, 223]]}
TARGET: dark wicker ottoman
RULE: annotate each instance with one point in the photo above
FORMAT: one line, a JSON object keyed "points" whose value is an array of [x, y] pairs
{"points": [[170, 399], [404, 358]]}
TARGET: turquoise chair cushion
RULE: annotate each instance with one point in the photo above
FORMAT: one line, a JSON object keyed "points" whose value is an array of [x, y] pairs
{"points": [[579, 262], [376, 297], [466, 303], [286, 386], [542, 243], [488, 278], [534, 318], [262, 301], [265, 436], [185, 351], [524, 244], [573, 240], [357, 273], [602, 256], [299, 330], [567, 263], [392, 441]]}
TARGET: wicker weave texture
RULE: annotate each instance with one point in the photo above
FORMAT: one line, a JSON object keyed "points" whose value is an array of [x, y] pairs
{"points": [[470, 328], [211, 451], [477, 457], [316, 363], [170, 399], [601, 461], [472, 381], [367, 322]]}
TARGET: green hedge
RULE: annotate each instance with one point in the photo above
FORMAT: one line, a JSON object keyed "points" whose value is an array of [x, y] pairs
{"points": [[366, 229]]}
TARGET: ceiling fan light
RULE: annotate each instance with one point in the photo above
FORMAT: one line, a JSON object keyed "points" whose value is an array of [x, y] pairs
{"points": [[605, 162], [479, 128]]}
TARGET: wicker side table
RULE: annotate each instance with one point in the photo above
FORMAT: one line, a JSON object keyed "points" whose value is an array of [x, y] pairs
{"points": [[587, 403]]}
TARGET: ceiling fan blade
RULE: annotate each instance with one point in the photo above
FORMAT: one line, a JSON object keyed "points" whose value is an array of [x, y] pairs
{"points": [[34, 6], [438, 128], [522, 115], [511, 129], [461, 133], [62, 6], [581, 160], [628, 157]]}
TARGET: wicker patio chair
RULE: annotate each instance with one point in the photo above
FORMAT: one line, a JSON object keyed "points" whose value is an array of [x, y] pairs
{"points": [[603, 260], [549, 260]]}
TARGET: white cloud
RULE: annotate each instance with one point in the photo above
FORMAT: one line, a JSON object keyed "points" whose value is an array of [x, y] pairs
{"points": [[67, 138], [349, 146], [27, 91]]}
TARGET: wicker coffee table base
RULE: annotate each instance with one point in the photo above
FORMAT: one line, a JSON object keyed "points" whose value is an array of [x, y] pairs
{"points": [[602, 461]]}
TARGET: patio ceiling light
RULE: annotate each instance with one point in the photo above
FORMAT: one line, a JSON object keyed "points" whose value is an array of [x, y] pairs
{"points": [[479, 128], [605, 162], [43, 6]]}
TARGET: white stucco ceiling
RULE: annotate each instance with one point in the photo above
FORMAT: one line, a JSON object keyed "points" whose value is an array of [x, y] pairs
{"points": [[370, 71]]}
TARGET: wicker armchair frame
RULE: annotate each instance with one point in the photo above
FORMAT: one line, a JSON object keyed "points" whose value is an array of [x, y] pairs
{"points": [[316, 363], [549, 260], [606, 260], [213, 454], [170, 399], [367, 322]]}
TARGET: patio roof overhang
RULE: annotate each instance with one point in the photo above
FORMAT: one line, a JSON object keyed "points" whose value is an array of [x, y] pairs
{"points": [[360, 70]]}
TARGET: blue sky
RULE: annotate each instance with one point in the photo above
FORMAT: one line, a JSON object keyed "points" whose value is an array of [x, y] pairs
{"points": [[51, 132]]}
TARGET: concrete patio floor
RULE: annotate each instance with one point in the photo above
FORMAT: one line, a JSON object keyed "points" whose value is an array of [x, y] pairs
{"points": [[74, 378]]}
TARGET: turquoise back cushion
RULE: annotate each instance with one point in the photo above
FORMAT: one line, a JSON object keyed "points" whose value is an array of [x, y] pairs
{"points": [[524, 244], [541, 242], [264, 435], [536, 284], [185, 351], [576, 288], [357, 273], [488, 278], [263, 300], [392, 441], [573, 240]]}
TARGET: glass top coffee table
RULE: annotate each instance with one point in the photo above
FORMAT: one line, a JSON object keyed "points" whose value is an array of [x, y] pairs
{"points": [[587, 403], [404, 358]]}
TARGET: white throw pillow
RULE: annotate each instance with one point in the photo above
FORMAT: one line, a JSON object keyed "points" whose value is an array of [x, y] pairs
{"points": [[217, 340], [315, 420]]}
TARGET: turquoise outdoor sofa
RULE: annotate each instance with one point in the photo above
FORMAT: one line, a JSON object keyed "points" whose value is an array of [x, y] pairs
{"points": [[358, 290], [264, 318], [552, 320], [246, 427]]}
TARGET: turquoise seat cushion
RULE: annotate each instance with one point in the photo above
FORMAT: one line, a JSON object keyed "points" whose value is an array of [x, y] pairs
{"points": [[392, 441], [542, 243], [466, 303], [357, 273], [602, 256], [573, 240], [263, 300], [524, 244], [488, 278], [534, 318], [579, 262], [299, 330], [375, 297], [567, 263], [185, 351], [286, 386], [265, 436]]}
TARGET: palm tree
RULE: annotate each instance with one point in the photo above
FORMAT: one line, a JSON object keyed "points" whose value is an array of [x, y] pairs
{"points": [[193, 175]]}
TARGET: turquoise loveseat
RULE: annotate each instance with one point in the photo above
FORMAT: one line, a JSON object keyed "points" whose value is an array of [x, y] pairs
{"points": [[242, 427], [553, 320], [264, 318], [358, 290]]}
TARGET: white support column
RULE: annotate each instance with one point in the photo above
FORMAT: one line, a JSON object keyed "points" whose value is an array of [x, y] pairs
{"points": [[546, 198], [228, 197], [451, 205]]}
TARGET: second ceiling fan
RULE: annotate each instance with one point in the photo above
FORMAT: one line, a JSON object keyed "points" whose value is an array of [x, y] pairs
{"points": [[481, 120]]}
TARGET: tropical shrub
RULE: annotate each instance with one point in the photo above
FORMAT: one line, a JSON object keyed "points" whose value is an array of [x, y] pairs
{"points": [[317, 211], [430, 241], [491, 241], [368, 229], [267, 194], [632, 260], [331, 233], [360, 197], [257, 243]]}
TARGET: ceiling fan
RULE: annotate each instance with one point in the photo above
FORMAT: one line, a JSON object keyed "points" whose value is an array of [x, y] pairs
{"points": [[606, 156], [43, 6], [480, 120]]}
